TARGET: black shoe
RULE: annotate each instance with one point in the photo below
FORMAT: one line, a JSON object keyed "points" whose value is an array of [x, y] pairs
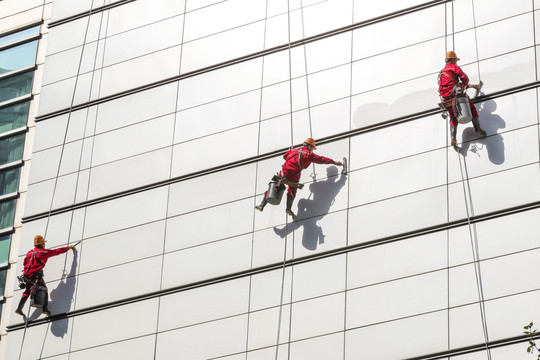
{"points": [[260, 208], [19, 311], [290, 212], [481, 132], [46, 312]]}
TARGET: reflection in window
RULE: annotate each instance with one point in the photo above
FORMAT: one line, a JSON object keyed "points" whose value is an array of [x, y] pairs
{"points": [[11, 149], [9, 181], [14, 117], [5, 242], [4, 40], [15, 86], [3, 273], [7, 213], [18, 57]]}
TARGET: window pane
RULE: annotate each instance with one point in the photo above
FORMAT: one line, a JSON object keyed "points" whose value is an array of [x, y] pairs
{"points": [[7, 213], [18, 57], [2, 283], [15, 86], [5, 242], [14, 117], [9, 181], [19, 35], [11, 149]]}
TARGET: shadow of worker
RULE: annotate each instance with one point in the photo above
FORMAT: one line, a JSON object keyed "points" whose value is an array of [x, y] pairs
{"points": [[493, 142], [61, 299], [310, 211]]}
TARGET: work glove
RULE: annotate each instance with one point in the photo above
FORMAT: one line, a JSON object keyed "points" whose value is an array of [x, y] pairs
{"points": [[338, 163], [71, 247]]}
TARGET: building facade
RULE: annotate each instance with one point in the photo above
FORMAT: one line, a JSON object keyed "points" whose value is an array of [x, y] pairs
{"points": [[159, 124]]}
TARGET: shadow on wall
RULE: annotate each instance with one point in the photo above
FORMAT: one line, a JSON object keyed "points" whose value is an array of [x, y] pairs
{"points": [[493, 142], [61, 298], [310, 211]]}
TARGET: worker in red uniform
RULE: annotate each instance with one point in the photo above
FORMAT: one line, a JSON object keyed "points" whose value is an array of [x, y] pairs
{"points": [[449, 80], [296, 160], [34, 262]]}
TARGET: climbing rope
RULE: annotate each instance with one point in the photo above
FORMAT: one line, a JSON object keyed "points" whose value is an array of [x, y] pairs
{"points": [[474, 244], [60, 162]]}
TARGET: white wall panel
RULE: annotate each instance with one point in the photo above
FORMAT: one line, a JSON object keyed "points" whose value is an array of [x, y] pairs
{"points": [[328, 119], [365, 342], [126, 211], [62, 65], [50, 133], [136, 139], [219, 84], [227, 336], [480, 192], [463, 284], [328, 85], [511, 352], [45, 164], [327, 15], [329, 347], [73, 33], [143, 40], [76, 156], [130, 173], [397, 215], [207, 261], [505, 36], [459, 244], [432, 130], [263, 329], [199, 305], [399, 177], [465, 326], [114, 324], [275, 100], [136, 349], [328, 53], [217, 116], [56, 96], [219, 188], [228, 220], [268, 141], [39, 197], [317, 278], [397, 299], [70, 189], [507, 71], [222, 153], [128, 74], [137, 107], [398, 32], [137, 278], [318, 316], [270, 288], [364, 11], [216, 49], [387, 262], [141, 12], [276, 68], [507, 316], [487, 10], [142, 241]]}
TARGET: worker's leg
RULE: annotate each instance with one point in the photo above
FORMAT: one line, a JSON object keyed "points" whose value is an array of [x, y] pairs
{"points": [[263, 203], [291, 194], [23, 300], [453, 127], [46, 304], [475, 121]]}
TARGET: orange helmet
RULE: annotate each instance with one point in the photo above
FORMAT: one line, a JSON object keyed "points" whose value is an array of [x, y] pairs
{"points": [[451, 55], [38, 240], [311, 142]]}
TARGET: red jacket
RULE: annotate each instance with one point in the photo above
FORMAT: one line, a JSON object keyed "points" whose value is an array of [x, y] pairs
{"points": [[297, 160], [36, 259], [450, 76]]}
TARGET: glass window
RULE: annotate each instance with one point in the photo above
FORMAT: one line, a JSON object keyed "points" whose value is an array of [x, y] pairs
{"points": [[3, 273], [15, 86], [7, 213], [11, 149], [14, 116], [5, 242], [9, 182], [19, 35], [18, 57]]}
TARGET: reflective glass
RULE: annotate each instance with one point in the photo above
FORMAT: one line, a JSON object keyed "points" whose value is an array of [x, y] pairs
{"points": [[5, 241], [7, 213], [18, 57], [11, 149], [2, 283], [9, 181], [19, 35], [14, 116], [15, 86]]}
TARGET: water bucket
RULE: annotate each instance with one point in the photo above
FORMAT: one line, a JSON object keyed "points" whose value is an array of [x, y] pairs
{"points": [[464, 114], [274, 195], [40, 297]]}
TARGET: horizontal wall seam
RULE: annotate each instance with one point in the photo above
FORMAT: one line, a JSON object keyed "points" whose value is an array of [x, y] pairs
{"points": [[85, 14], [257, 158], [243, 58], [280, 265]]}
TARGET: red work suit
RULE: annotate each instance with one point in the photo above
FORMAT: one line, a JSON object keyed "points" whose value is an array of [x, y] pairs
{"points": [[450, 76], [297, 160], [34, 262]]}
